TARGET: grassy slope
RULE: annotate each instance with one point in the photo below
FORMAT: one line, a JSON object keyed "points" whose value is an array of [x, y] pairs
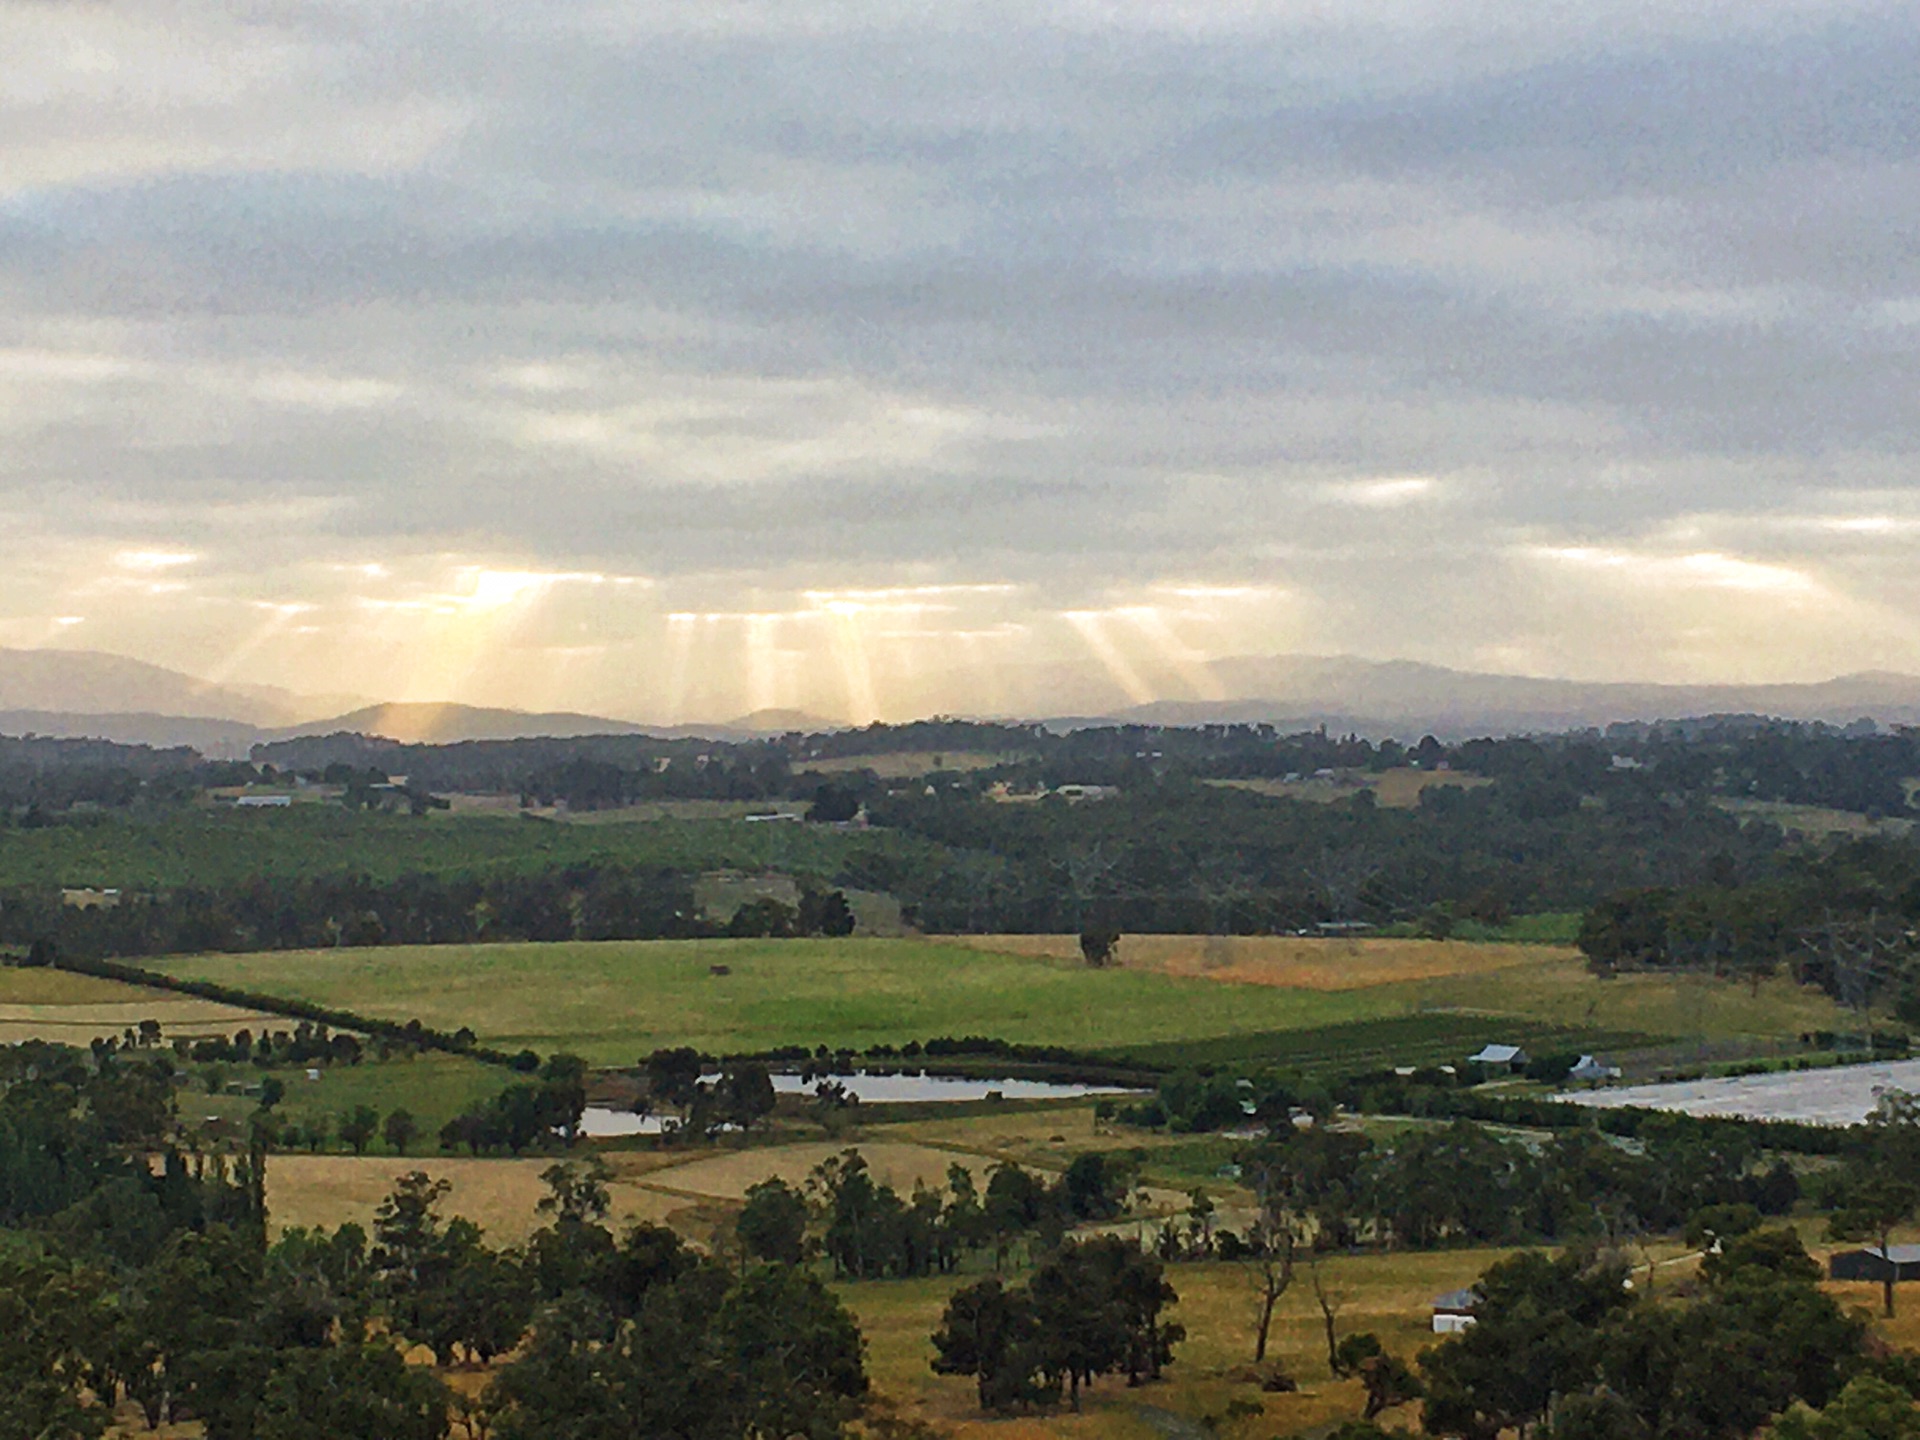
{"points": [[614, 1001], [220, 847]]}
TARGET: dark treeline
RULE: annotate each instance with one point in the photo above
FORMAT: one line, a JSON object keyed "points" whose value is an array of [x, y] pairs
{"points": [[1566, 823], [1464, 1183], [584, 902], [1177, 856], [40, 776], [588, 772], [1847, 920], [870, 1231]]}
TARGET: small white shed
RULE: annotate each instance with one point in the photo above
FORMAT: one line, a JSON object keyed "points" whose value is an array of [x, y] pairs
{"points": [[1453, 1312], [1588, 1070]]}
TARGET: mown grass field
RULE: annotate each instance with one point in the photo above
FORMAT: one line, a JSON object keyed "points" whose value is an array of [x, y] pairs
{"points": [[615, 1001], [209, 847]]}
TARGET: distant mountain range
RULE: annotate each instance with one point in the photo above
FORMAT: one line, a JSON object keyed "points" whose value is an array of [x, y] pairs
{"points": [[1400, 697], [86, 693], [89, 682]]}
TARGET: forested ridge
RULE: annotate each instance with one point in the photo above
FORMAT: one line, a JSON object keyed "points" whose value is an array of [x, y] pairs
{"points": [[1642, 829]]}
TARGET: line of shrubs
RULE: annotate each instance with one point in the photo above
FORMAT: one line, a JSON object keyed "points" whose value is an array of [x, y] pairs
{"points": [[962, 1056]]}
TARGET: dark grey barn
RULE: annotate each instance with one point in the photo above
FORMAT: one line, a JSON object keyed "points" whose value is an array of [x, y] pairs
{"points": [[1870, 1263]]}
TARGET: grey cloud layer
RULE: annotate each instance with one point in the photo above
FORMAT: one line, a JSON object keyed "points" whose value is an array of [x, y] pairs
{"points": [[764, 292]]}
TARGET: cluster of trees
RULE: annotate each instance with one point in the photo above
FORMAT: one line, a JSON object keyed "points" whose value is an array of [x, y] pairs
{"points": [[1466, 1183], [1189, 1101], [129, 1278], [357, 1127], [869, 1231], [1090, 1308], [622, 1335], [306, 1044], [739, 1097], [75, 1130], [820, 912], [1847, 920], [634, 1335], [528, 1113], [1566, 1348]]}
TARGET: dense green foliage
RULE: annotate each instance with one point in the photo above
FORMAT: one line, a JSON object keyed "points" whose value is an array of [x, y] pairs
{"points": [[1565, 1344], [1844, 920], [1565, 822], [1091, 1308], [1466, 1183]]}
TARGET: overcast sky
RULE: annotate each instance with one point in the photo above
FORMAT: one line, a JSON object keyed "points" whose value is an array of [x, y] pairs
{"points": [[674, 360]]}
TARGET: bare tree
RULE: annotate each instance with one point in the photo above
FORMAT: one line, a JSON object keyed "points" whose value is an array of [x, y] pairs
{"points": [[1087, 869], [1221, 883], [1340, 876], [1858, 957], [1329, 1302], [1271, 1270]]}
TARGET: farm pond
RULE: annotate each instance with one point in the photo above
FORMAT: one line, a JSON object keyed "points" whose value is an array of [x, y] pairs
{"points": [[603, 1122], [1841, 1095]]}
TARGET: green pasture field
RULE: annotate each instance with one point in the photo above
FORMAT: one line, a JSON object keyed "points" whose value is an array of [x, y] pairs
{"points": [[207, 847], [614, 1001], [432, 1088], [1545, 927]]}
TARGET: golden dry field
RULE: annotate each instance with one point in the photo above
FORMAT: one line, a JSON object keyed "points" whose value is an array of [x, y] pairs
{"points": [[42, 1004], [1288, 961], [501, 1196], [1391, 1295]]}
